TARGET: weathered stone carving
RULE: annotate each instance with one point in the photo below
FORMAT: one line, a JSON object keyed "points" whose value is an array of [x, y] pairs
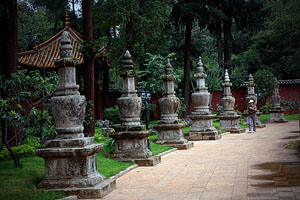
{"points": [[202, 125], [229, 120], [169, 128], [70, 159], [276, 112], [130, 136], [251, 95]]}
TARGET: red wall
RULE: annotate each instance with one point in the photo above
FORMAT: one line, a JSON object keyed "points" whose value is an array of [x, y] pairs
{"points": [[286, 92]]}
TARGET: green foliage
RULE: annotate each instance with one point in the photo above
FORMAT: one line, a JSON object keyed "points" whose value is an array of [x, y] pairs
{"points": [[292, 104], [112, 114], [25, 88], [25, 150], [263, 79], [276, 43], [238, 76], [48, 130], [265, 108], [151, 76], [214, 78], [20, 182], [252, 59]]}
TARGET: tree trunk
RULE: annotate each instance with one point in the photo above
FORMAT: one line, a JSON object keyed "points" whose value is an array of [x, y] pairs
{"points": [[9, 50], [89, 78], [227, 24], [187, 66], [129, 36]]}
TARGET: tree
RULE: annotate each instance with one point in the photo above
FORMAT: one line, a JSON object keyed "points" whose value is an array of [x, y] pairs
{"points": [[184, 12], [278, 43], [89, 78], [8, 51]]}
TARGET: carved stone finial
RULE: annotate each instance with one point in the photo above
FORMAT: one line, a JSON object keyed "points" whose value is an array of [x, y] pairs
{"points": [[226, 76], [66, 47], [127, 62], [67, 19], [200, 65], [168, 68]]}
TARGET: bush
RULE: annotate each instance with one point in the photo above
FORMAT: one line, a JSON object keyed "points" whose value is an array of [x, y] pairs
{"points": [[112, 114], [48, 130], [265, 108], [25, 150]]}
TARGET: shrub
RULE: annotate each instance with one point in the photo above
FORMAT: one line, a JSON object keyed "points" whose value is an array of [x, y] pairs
{"points": [[112, 114], [25, 150], [265, 108]]}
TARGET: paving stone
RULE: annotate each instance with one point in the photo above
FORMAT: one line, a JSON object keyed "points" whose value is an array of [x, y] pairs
{"points": [[231, 168]]}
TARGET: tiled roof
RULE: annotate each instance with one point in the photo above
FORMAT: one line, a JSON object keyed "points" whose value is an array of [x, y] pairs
{"points": [[43, 55]]}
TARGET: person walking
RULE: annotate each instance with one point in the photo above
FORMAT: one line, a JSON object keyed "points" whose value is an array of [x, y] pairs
{"points": [[252, 116]]}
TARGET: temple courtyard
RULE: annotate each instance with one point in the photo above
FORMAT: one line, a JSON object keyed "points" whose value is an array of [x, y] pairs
{"points": [[239, 166]]}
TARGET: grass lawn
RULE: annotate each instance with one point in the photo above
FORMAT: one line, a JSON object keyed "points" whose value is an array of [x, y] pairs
{"points": [[20, 183], [265, 117], [157, 148]]}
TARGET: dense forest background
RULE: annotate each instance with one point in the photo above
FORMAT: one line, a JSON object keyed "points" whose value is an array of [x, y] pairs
{"points": [[261, 37]]}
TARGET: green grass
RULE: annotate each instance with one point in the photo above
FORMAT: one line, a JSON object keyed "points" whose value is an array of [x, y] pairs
{"points": [[109, 167], [157, 148], [20, 183], [265, 117]]}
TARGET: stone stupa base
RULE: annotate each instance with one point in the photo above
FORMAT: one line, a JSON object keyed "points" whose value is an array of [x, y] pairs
{"points": [[202, 128], [71, 166], [230, 123], [172, 135], [194, 135], [131, 145], [277, 115]]}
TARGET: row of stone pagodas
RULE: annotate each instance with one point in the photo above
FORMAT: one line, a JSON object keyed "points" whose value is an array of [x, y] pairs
{"points": [[130, 136], [251, 96]]}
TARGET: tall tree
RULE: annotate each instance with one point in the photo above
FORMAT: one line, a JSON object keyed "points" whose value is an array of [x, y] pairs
{"points": [[89, 78], [8, 50], [185, 12]]}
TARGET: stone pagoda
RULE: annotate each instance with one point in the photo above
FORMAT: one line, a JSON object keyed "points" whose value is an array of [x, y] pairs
{"points": [[71, 158], [229, 120], [276, 112], [251, 95], [202, 124], [130, 136], [169, 128]]}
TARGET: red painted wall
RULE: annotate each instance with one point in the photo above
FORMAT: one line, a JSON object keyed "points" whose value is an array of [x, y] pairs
{"points": [[286, 92]]}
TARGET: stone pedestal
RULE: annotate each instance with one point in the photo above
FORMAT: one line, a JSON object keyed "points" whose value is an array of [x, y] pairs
{"points": [[276, 112], [169, 129], [277, 115], [202, 124], [172, 135], [130, 136], [230, 123], [229, 120], [71, 159], [131, 145], [202, 128]]}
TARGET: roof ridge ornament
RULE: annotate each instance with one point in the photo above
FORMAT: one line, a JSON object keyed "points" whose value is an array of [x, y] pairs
{"points": [[67, 19]]}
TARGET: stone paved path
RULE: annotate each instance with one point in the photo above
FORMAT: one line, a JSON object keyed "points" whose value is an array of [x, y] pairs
{"points": [[245, 166]]}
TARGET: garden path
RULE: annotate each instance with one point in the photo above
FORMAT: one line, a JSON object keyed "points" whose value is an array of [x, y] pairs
{"points": [[242, 166]]}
